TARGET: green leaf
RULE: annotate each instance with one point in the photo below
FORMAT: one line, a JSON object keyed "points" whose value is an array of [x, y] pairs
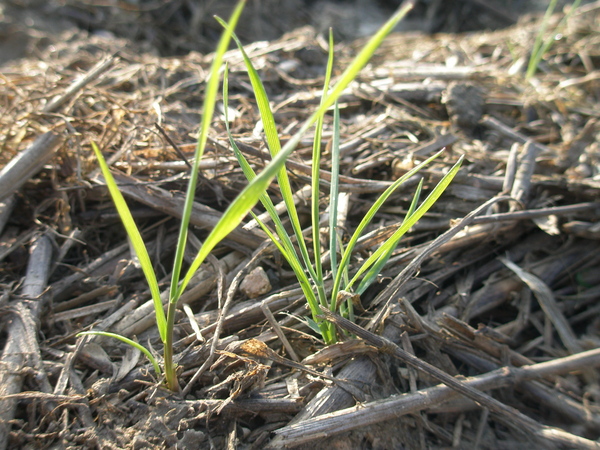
{"points": [[284, 243], [210, 98], [316, 169], [364, 56], [313, 325], [136, 241], [541, 46], [126, 340], [251, 175], [410, 221], [345, 261], [390, 245], [325, 328], [274, 144], [334, 192], [240, 207]]}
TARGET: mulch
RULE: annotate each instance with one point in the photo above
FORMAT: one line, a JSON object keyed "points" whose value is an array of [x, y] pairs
{"points": [[482, 330]]}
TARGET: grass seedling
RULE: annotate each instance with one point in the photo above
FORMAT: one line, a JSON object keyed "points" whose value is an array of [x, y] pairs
{"points": [[243, 203], [309, 269], [541, 46]]}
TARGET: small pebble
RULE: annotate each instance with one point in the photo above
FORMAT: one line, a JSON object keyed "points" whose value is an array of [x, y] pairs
{"points": [[256, 283]]}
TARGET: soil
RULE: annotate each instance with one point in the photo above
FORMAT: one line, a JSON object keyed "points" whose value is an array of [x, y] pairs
{"points": [[489, 307]]}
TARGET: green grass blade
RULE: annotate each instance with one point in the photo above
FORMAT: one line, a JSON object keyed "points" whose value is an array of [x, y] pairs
{"points": [[345, 261], [541, 47], [136, 241], [262, 100], [210, 98], [325, 328], [350, 73], [550, 40], [250, 175], [284, 243], [128, 341], [316, 168], [536, 54], [285, 246], [238, 209], [409, 221], [355, 66], [294, 263], [334, 191], [364, 56], [376, 268], [274, 144]]}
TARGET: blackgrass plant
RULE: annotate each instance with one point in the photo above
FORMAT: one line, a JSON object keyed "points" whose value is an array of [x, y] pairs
{"points": [[543, 43], [310, 272], [348, 285]]}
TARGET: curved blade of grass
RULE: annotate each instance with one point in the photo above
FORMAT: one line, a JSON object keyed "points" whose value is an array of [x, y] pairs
{"points": [[365, 55], [126, 340], [409, 221], [274, 144], [136, 241], [316, 168], [536, 54], [210, 98], [350, 73], [375, 269], [541, 47], [286, 248], [238, 209], [371, 213], [250, 175], [284, 243], [355, 66]]}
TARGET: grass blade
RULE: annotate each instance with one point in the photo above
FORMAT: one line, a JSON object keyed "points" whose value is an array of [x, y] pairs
{"points": [[536, 54], [364, 56], [136, 241], [371, 213], [250, 175], [244, 202], [391, 245], [410, 221], [239, 208], [284, 243], [334, 193], [324, 327], [210, 98], [541, 47], [316, 168], [128, 341], [274, 145]]}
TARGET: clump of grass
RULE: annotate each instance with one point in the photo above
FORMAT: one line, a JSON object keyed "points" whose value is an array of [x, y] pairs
{"points": [[543, 44], [309, 270], [244, 202]]}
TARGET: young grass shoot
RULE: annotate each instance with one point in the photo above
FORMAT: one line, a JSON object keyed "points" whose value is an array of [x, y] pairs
{"points": [[541, 45], [309, 269]]}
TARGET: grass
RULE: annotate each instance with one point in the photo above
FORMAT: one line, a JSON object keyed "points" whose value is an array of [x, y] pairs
{"points": [[310, 272], [243, 203], [541, 46]]}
